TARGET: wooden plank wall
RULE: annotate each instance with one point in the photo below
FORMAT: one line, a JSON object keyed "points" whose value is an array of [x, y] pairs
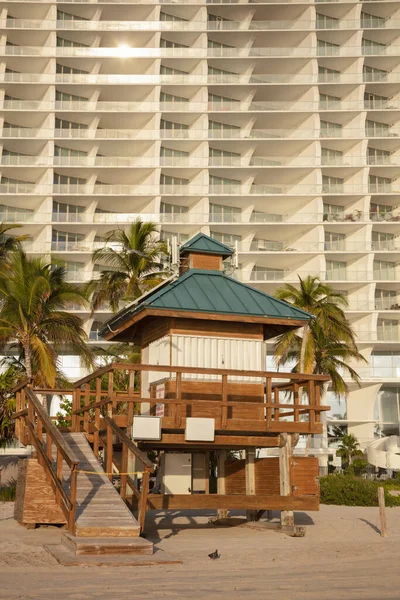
{"points": [[35, 500], [304, 476]]}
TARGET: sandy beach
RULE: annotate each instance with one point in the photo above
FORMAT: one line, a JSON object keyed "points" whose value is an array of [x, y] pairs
{"points": [[342, 556]]}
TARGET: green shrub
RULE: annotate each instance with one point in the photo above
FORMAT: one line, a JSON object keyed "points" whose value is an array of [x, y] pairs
{"points": [[347, 490], [7, 493]]}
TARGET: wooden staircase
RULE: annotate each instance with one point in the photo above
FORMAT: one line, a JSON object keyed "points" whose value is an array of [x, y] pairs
{"points": [[103, 522], [66, 484]]}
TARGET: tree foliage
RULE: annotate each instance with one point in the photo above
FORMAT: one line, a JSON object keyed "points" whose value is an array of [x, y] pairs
{"points": [[133, 261], [34, 298]]}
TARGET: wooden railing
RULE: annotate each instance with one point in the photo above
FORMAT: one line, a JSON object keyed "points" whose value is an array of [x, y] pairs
{"points": [[34, 427], [263, 402], [104, 422]]}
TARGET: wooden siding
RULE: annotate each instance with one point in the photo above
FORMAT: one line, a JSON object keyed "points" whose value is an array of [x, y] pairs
{"points": [[304, 476]]}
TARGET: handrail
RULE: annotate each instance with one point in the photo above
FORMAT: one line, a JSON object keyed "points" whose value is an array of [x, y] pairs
{"points": [[21, 385], [67, 454], [32, 418], [130, 445], [93, 375]]}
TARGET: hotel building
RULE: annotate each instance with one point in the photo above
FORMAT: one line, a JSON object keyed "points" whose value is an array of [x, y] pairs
{"points": [[271, 126]]}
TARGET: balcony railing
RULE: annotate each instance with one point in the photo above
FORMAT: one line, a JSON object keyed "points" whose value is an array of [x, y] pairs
{"points": [[202, 25]]}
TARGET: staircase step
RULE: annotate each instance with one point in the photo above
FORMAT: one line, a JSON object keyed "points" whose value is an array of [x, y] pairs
{"points": [[94, 529], [95, 546]]}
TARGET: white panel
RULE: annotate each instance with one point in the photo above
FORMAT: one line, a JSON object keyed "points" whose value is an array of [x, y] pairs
{"points": [[146, 428], [199, 430], [218, 353]]}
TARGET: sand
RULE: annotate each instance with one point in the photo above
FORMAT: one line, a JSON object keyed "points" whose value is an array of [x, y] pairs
{"points": [[342, 556]]}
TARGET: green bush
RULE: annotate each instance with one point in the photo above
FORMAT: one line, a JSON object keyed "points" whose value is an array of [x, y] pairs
{"points": [[7, 493], [347, 490]]}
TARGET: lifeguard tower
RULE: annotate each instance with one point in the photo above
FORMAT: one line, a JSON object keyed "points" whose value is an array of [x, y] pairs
{"points": [[200, 391]]}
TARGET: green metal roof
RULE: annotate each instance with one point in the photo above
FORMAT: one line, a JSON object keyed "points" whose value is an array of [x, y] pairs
{"points": [[210, 292], [206, 245]]}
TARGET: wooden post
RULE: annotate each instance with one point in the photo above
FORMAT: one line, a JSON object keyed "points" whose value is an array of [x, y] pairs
{"points": [[72, 495], [285, 459], [97, 415], [86, 413], [268, 399], [131, 391], [143, 499], [124, 470], [222, 513], [178, 397], [224, 406], [382, 511], [76, 401], [111, 390], [251, 515]]}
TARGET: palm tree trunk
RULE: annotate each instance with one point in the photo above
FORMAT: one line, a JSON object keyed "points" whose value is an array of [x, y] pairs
{"points": [[28, 359]]}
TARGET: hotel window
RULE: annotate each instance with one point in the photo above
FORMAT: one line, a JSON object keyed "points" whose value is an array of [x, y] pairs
{"points": [[168, 44], [369, 21], [335, 270], [370, 48], [63, 124], [220, 101], [226, 238], [334, 241], [220, 213], [223, 157], [60, 151], [374, 101], [217, 126], [332, 184], [333, 212], [328, 102], [214, 44], [388, 330], [171, 99], [381, 212], [65, 70], [377, 156], [224, 183], [385, 299], [383, 241], [172, 125], [373, 74], [171, 71], [65, 43], [327, 48], [384, 269], [325, 22], [63, 97], [331, 157], [266, 274], [181, 238], [375, 129], [59, 179], [64, 16], [67, 212], [329, 129], [325, 74], [170, 180], [14, 214], [172, 153], [378, 184], [173, 209], [167, 17], [74, 270], [65, 240]]}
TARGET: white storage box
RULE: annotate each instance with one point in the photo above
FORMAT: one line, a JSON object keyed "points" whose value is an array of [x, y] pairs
{"points": [[199, 430], [146, 428]]}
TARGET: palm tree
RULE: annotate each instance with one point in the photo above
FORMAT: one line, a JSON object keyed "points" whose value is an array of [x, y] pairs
{"points": [[349, 448], [34, 298], [133, 258], [9, 243], [326, 304], [326, 343]]}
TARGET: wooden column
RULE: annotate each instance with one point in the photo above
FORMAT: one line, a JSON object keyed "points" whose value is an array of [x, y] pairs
{"points": [[222, 513], [285, 459], [251, 515]]}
